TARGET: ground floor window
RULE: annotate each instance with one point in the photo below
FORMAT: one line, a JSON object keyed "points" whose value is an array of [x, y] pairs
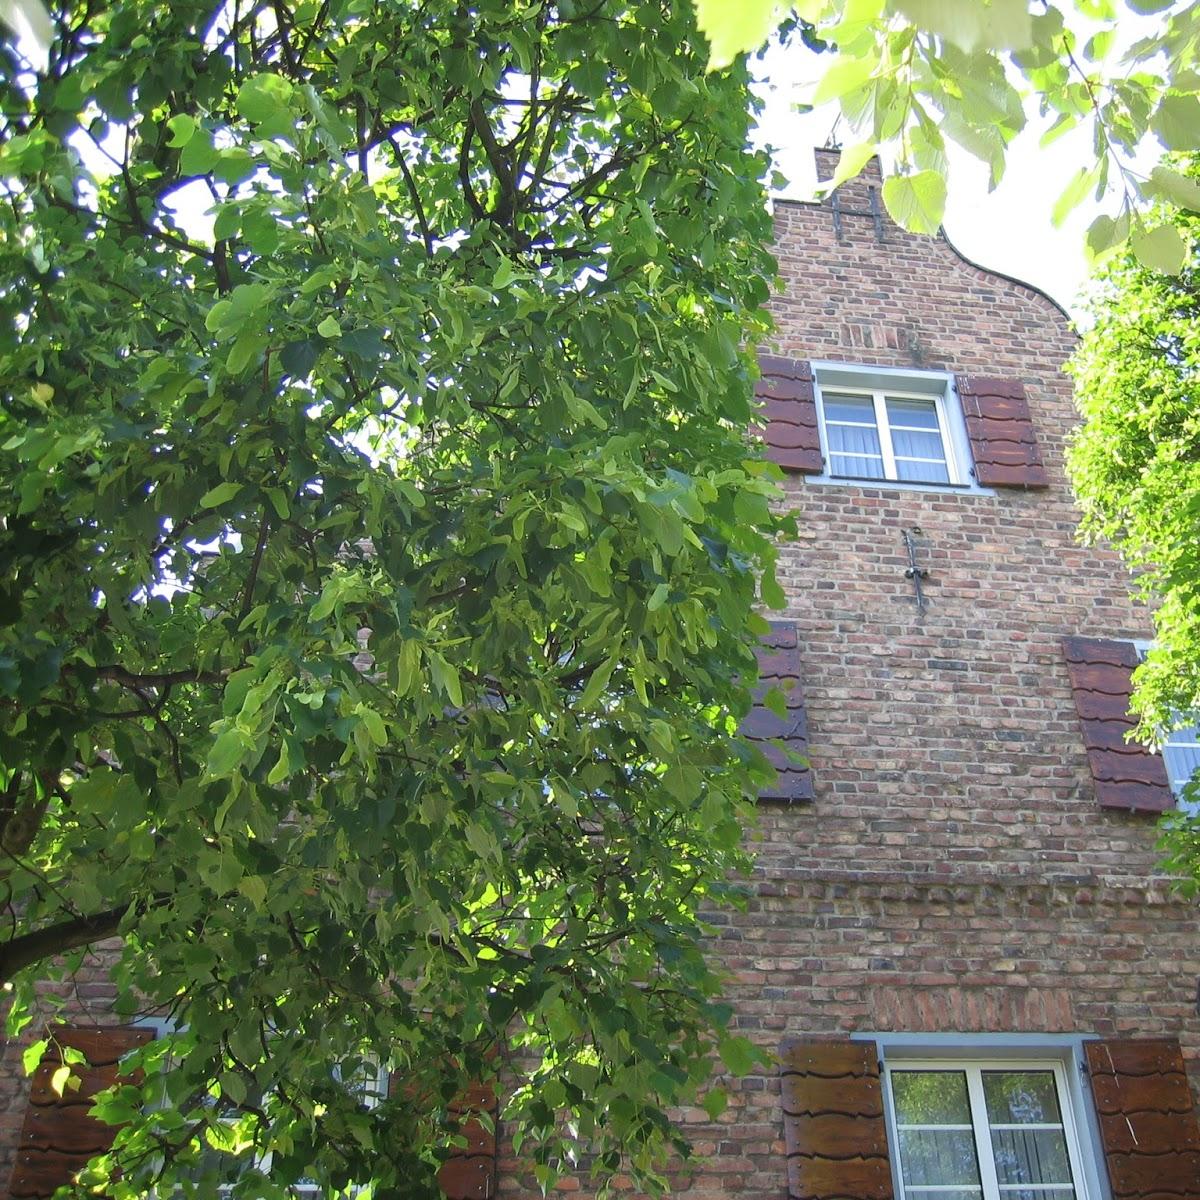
{"points": [[984, 1130]]}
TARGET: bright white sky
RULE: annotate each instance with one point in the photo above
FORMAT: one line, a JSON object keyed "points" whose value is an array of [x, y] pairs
{"points": [[1008, 230]]}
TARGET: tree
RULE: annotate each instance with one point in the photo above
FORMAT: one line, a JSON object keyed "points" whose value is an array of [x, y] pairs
{"points": [[911, 75], [377, 572], [1135, 465]]}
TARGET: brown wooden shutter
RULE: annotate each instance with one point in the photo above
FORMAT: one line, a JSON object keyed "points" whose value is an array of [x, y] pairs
{"points": [[779, 666], [470, 1171], [58, 1137], [1001, 432], [1127, 775], [834, 1126], [785, 387], [1147, 1122]]}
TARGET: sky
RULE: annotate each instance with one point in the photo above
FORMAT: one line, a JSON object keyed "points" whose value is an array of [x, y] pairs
{"points": [[1008, 230]]}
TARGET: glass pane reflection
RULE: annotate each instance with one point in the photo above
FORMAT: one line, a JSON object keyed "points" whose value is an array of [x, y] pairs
{"points": [[938, 1156], [1021, 1098], [931, 1098]]}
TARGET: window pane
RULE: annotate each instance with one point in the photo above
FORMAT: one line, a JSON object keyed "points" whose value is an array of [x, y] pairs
{"points": [[1021, 1098], [922, 472], [853, 440], [909, 443], [852, 435], [1031, 1156], [971, 1193], [862, 467], [1017, 1103], [917, 441], [840, 407], [916, 414], [1023, 1193], [930, 1098], [1182, 755], [938, 1156]]}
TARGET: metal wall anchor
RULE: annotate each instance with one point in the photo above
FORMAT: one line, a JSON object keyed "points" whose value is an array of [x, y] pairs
{"points": [[915, 572], [874, 212]]}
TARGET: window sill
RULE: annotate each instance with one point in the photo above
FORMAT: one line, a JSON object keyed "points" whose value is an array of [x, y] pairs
{"points": [[898, 485]]}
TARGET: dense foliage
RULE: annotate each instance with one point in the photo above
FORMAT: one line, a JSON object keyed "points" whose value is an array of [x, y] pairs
{"points": [[1136, 466], [912, 76], [381, 538]]}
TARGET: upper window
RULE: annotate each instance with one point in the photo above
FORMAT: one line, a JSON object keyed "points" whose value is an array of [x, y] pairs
{"points": [[982, 1130], [1181, 752], [880, 424]]}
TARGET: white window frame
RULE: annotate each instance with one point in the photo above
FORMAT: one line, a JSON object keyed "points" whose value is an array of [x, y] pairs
{"points": [[880, 383], [973, 1068]]}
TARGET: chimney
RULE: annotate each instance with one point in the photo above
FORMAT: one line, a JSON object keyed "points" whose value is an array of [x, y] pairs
{"points": [[856, 206], [827, 161]]}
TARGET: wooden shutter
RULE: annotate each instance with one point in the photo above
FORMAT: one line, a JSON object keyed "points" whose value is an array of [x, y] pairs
{"points": [[779, 666], [785, 387], [834, 1126], [1147, 1122], [58, 1137], [1127, 775], [1001, 432], [470, 1171]]}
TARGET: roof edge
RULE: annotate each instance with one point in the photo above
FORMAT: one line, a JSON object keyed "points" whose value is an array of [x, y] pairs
{"points": [[970, 262]]}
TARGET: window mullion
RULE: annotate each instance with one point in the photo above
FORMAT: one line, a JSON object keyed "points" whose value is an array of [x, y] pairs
{"points": [[983, 1135], [885, 436], [948, 448], [822, 432]]}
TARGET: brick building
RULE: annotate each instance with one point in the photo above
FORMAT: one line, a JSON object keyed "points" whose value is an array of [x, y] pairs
{"points": [[979, 985], [968, 907]]}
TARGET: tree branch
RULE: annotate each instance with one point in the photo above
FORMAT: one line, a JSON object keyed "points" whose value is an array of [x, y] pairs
{"points": [[115, 673], [415, 195], [29, 948]]}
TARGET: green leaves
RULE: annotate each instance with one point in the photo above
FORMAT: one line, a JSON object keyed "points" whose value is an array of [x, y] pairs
{"points": [[182, 128], [265, 101], [1176, 121], [918, 202], [994, 25], [228, 752], [221, 494], [733, 28], [1105, 234], [1160, 248], [1081, 183], [445, 676], [1176, 187], [740, 1055], [597, 682]]}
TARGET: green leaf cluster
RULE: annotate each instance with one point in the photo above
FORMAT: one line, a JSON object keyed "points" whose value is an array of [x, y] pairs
{"points": [[381, 547]]}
